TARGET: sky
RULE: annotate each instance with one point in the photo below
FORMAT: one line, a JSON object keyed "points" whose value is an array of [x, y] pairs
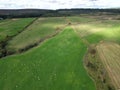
{"points": [[58, 4]]}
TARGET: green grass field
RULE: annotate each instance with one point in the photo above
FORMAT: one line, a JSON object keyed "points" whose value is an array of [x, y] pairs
{"points": [[111, 32], [11, 27], [41, 28], [95, 31], [56, 63]]}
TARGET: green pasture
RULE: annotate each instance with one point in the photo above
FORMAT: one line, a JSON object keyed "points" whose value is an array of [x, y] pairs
{"points": [[57, 64], [41, 28], [95, 31], [110, 32], [11, 27]]}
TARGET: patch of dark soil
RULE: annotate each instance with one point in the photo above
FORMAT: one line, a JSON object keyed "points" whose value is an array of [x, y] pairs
{"points": [[69, 23], [93, 51]]}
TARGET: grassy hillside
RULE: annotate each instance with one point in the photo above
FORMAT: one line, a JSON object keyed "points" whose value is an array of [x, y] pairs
{"points": [[40, 29], [60, 45], [10, 27], [110, 33], [95, 30], [54, 65]]}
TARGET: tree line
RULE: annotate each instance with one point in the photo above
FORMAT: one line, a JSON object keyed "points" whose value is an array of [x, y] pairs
{"points": [[23, 13]]}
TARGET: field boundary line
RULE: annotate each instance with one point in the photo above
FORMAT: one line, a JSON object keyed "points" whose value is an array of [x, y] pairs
{"points": [[29, 47], [6, 40]]}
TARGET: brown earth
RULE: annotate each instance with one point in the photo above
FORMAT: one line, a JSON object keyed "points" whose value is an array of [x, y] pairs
{"points": [[109, 54]]}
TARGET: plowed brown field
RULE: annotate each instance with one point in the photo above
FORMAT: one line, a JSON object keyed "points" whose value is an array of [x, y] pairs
{"points": [[110, 57]]}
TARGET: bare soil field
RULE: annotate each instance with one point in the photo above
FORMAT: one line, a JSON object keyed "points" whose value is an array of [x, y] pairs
{"points": [[110, 56]]}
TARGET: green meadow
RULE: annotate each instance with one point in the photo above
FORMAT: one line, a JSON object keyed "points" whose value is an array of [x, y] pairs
{"points": [[54, 65], [11, 27], [57, 63], [41, 28]]}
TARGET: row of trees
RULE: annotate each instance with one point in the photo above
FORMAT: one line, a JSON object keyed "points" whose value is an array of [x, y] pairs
{"points": [[47, 13]]}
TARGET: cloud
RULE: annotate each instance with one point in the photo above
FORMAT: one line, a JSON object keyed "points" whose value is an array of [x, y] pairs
{"points": [[56, 4]]}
